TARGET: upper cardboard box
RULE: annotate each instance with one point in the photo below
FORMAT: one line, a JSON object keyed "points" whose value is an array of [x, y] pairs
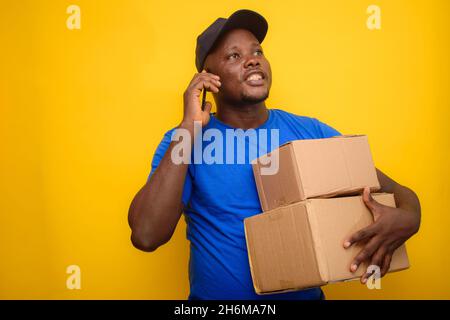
{"points": [[300, 246], [341, 165]]}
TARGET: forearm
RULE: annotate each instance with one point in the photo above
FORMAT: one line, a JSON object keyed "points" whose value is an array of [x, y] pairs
{"points": [[156, 209], [405, 198]]}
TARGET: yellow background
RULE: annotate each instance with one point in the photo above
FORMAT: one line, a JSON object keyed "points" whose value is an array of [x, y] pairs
{"points": [[82, 112]]}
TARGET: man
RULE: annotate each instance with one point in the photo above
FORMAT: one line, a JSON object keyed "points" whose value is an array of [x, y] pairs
{"points": [[215, 198]]}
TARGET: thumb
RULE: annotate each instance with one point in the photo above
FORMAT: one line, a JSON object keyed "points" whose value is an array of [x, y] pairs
{"points": [[208, 107], [370, 202]]}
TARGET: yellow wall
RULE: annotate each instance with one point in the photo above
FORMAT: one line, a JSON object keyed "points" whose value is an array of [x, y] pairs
{"points": [[82, 112]]}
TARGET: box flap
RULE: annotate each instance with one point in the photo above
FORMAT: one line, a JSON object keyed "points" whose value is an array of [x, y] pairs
{"points": [[283, 188], [338, 136], [348, 136]]}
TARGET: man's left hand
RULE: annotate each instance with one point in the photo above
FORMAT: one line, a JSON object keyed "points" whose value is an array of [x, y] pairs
{"points": [[390, 229]]}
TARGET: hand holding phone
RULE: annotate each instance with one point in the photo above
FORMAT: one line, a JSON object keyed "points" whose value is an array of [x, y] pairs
{"points": [[194, 110]]}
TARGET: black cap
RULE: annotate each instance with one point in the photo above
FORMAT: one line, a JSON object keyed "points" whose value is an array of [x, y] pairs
{"points": [[245, 19]]}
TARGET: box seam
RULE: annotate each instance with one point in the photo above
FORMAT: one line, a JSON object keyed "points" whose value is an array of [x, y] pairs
{"points": [[321, 261], [250, 261], [260, 186], [298, 177]]}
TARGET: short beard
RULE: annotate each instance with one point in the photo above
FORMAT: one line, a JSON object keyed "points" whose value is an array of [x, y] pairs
{"points": [[253, 100]]}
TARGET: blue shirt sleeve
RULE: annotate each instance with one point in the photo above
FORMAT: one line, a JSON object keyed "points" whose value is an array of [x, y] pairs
{"points": [[159, 154], [325, 131]]}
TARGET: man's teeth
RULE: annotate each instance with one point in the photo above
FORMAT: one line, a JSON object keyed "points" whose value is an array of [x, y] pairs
{"points": [[255, 77]]}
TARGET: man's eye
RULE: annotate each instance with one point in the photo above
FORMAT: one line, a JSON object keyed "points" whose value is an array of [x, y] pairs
{"points": [[233, 55], [259, 52]]}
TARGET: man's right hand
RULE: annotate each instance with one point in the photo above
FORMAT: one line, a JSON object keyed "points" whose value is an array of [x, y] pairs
{"points": [[192, 104]]}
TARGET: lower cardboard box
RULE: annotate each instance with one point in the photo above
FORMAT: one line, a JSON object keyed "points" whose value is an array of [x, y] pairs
{"points": [[300, 246]]}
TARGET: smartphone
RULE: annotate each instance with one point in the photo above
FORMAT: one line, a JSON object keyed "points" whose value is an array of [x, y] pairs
{"points": [[204, 93], [203, 99]]}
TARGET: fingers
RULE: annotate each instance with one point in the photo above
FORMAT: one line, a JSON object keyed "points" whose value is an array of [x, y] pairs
{"points": [[210, 74], [377, 260], [193, 99], [386, 263], [205, 80], [362, 234], [378, 257], [388, 256], [365, 253], [209, 85]]}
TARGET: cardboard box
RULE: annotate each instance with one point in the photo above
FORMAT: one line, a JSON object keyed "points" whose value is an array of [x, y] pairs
{"points": [[341, 165], [301, 245]]}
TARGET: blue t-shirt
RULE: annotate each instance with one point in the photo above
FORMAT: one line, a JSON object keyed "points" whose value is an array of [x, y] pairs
{"points": [[217, 198]]}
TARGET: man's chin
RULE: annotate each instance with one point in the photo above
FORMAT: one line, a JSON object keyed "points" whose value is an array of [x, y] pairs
{"points": [[247, 98]]}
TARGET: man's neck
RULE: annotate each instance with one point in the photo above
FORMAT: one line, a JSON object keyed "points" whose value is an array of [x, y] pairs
{"points": [[243, 117]]}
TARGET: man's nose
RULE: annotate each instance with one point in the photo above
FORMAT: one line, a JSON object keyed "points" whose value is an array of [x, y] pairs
{"points": [[252, 61]]}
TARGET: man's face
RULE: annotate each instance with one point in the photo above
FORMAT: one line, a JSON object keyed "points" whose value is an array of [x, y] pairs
{"points": [[244, 71]]}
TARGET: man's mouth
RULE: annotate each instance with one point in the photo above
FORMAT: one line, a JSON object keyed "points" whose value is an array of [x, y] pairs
{"points": [[255, 79]]}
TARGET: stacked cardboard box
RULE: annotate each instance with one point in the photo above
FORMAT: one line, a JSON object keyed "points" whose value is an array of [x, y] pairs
{"points": [[311, 205]]}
